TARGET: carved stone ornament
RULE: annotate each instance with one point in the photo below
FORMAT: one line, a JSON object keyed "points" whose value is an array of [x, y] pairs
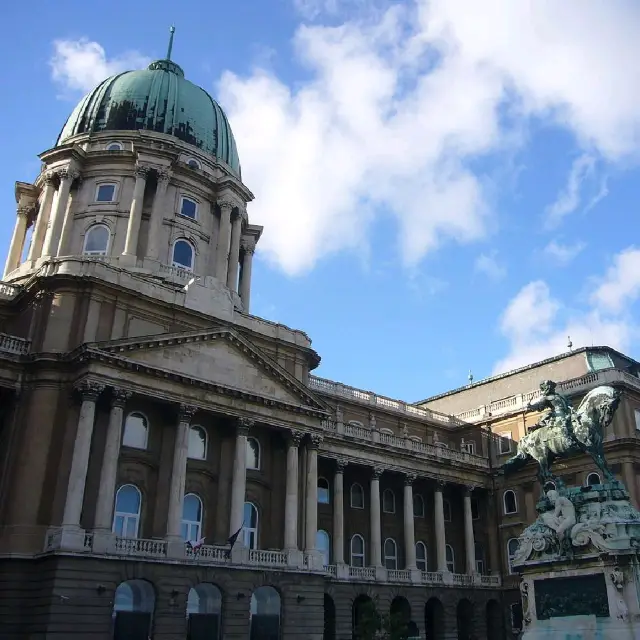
{"points": [[226, 205], [243, 425], [186, 412], [524, 592], [163, 177], [119, 397], [141, 171], [340, 465], [315, 439], [28, 211], [294, 437], [372, 422], [248, 245], [49, 177], [89, 389], [67, 174], [376, 473], [409, 479], [617, 578]]}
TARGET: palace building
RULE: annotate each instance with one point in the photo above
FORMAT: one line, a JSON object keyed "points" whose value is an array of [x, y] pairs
{"points": [[147, 417]]}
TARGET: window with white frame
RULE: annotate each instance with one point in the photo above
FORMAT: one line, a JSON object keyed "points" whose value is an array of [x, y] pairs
{"points": [[357, 550], [96, 240], [388, 501], [446, 509], [390, 554], [194, 164], [637, 414], [468, 447], [512, 548], [197, 448], [505, 442], [136, 431], [357, 496], [188, 208], [475, 512], [509, 502], [114, 146], [479, 549], [182, 254], [126, 516], [593, 479], [253, 454], [323, 545], [451, 559], [106, 192], [191, 518], [324, 496], [421, 556], [418, 506], [250, 529]]}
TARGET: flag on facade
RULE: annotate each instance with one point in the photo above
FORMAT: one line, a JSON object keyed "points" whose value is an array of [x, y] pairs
{"points": [[195, 546], [232, 541]]}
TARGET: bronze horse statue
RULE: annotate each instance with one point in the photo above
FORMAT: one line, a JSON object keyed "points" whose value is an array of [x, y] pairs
{"points": [[563, 431]]}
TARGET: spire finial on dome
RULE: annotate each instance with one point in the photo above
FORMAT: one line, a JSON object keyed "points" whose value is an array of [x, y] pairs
{"points": [[172, 30]]}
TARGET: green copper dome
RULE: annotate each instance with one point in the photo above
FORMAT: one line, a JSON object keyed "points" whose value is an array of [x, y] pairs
{"points": [[156, 99]]}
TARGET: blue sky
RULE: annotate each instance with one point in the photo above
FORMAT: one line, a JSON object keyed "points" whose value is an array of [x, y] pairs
{"points": [[445, 185]]}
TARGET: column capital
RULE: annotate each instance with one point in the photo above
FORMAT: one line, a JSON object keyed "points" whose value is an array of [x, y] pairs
{"points": [[141, 171], [243, 425], [49, 178], [26, 210], [440, 485], [376, 473], [409, 479], [162, 177], [119, 397], [236, 214], [340, 465], [67, 174], [226, 205], [248, 245], [89, 389], [294, 437], [314, 440], [186, 412], [468, 490]]}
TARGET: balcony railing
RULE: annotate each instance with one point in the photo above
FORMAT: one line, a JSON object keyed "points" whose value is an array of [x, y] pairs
{"points": [[13, 344], [8, 291], [141, 547], [267, 558]]}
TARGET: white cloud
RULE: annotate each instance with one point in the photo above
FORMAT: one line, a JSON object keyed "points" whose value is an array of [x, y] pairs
{"points": [[563, 254], [488, 265], [79, 65], [537, 325]]}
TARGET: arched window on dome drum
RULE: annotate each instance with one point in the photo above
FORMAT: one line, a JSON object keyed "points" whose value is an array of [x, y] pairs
{"points": [[509, 502], [250, 530], [323, 545], [136, 431], [357, 550], [197, 443], [253, 454], [390, 554], [182, 255], [126, 516], [357, 496], [114, 146], [418, 506], [421, 556], [451, 559], [512, 548], [191, 518], [388, 501], [194, 164], [324, 496], [96, 240]]}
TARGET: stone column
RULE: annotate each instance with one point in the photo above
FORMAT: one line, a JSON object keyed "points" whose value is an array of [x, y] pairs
{"points": [[409, 531], [52, 237], [239, 477], [493, 531], [222, 250], [311, 528], [248, 246], [42, 220], [338, 513], [469, 541], [234, 251], [109, 471], [67, 228], [135, 213], [179, 472], [81, 449], [376, 544], [291, 492], [157, 215], [17, 240], [441, 549]]}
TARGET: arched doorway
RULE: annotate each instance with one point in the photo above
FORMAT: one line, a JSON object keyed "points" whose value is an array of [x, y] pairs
{"points": [[400, 613], [464, 615], [204, 609], [434, 619], [329, 618], [265, 614], [365, 620], [133, 606], [495, 621]]}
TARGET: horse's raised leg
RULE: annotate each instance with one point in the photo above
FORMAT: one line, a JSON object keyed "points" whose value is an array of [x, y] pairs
{"points": [[598, 457]]}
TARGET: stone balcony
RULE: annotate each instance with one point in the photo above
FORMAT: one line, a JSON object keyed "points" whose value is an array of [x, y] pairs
{"points": [[13, 344], [91, 544], [517, 403]]}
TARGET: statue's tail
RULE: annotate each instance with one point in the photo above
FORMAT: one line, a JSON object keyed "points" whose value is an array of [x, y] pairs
{"points": [[515, 464]]}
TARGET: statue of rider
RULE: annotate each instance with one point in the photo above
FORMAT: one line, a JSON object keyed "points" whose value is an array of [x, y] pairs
{"points": [[559, 409]]}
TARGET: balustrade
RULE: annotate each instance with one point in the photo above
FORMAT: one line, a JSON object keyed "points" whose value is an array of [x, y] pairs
{"points": [[141, 547]]}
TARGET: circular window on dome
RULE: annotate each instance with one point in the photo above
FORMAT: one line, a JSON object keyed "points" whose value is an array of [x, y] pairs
{"points": [[114, 146], [194, 164]]}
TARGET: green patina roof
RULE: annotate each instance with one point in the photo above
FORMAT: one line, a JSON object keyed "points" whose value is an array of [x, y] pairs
{"points": [[156, 99]]}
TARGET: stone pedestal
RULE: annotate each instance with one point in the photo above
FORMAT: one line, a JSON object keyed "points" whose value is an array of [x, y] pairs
{"points": [[580, 566]]}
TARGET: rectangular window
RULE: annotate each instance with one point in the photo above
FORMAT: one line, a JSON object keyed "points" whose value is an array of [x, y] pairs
{"points": [[505, 442], [188, 208], [468, 447], [637, 413], [105, 193]]}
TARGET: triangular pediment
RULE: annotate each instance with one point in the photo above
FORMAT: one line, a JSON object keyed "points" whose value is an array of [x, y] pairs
{"points": [[221, 357]]}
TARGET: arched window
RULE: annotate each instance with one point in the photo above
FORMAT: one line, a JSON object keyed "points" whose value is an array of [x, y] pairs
{"points": [[421, 556], [388, 501], [512, 548], [323, 545], [126, 517], [418, 506], [323, 491], [182, 254], [357, 550], [451, 559], [509, 502], [133, 607], [136, 431], [446, 508], [253, 454], [96, 240], [265, 614], [204, 608], [479, 558], [250, 531], [593, 479], [192, 517], [197, 443], [357, 496], [114, 146], [390, 554]]}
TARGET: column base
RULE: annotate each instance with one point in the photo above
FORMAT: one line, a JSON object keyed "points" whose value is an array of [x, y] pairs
{"points": [[240, 554], [314, 559], [381, 574], [295, 558], [176, 548], [416, 576], [447, 578], [127, 260], [342, 571], [104, 541], [72, 538]]}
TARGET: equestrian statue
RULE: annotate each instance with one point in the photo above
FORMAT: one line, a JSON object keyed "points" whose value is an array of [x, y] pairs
{"points": [[563, 431]]}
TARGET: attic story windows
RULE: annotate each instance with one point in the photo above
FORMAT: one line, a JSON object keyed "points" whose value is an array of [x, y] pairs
{"points": [[106, 192], [188, 208]]}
